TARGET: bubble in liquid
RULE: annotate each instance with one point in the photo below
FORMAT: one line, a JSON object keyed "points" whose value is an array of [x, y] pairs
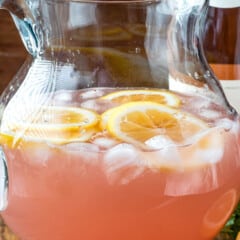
{"points": [[122, 164]]}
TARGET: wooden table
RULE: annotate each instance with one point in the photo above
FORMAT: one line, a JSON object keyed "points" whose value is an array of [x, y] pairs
{"points": [[12, 52]]}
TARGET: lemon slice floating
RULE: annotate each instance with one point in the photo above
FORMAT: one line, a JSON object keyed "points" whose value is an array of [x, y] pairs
{"points": [[136, 122], [58, 125], [107, 33], [157, 96], [137, 29], [219, 213]]}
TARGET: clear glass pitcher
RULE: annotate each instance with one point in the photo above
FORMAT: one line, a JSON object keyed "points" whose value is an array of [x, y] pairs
{"points": [[221, 41], [115, 127]]}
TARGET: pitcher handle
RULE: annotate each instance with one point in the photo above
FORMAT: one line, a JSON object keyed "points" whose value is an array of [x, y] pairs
{"points": [[4, 177], [3, 181], [189, 69]]}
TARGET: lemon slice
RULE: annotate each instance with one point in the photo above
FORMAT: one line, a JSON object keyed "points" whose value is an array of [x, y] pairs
{"points": [[158, 96], [107, 33], [218, 214], [55, 124], [120, 65], [137, 122], [137, 29]]}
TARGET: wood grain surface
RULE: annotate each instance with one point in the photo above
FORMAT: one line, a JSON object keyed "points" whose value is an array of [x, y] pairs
{"points": [[12, 52]]}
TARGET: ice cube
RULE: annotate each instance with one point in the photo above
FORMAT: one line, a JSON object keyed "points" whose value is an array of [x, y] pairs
{"points": [[196, 104], [211, 155], [90, 104], [96, 105], [165, 154], [203, 108], [209, 147], [122, 164], [105, 143], [225, 123], [192, 182], [63, 96], [93, 93], [167, 158], [87, 152], [159, 142], [37, 155], [209, 114], [79, 146]]}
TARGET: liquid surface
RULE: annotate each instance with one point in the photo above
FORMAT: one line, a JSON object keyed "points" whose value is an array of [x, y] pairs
{"points": [[120, 164]]}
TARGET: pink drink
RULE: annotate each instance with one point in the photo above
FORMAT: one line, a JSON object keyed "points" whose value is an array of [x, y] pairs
{"points": [[105, 189]]}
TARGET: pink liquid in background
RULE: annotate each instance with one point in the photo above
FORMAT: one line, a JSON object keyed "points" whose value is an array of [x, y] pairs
{"points": [[80, 191]]}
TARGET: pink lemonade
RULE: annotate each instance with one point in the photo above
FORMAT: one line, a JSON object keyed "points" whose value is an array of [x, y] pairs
{"points": [[119, 185]]}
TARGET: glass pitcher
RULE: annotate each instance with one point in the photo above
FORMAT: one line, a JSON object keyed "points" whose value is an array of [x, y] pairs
{"points": [[115, 126]]}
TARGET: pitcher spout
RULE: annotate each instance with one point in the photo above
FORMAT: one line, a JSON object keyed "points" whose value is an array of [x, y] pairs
{"points": [[24, 20]]}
